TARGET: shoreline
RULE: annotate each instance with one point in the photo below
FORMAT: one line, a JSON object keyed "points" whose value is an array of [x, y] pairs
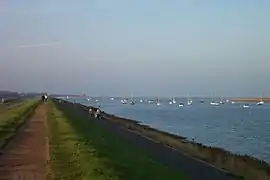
{"points": [[98, 149], [250, 99], [238, 165]]}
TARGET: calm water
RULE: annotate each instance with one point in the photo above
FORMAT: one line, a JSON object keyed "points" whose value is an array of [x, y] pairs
{"points": [[229, 126]]}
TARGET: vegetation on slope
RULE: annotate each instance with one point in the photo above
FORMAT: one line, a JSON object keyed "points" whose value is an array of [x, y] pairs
{"points": [[82, 149], [11, 119]]}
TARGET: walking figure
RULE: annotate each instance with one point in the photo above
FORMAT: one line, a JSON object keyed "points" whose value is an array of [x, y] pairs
{"points": [[46, 97], [97, 114], [90, 111]]}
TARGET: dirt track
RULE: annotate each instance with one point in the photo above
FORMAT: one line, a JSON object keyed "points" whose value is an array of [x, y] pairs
{"points": [[26, 155]]}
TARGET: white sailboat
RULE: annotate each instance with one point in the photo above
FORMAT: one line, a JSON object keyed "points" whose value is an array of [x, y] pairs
{"points": [[173, 100], [132, 100], [181, 105], [124, 101], [158, 102], [189, 100], [261, 102], [221, 100], [213, 102]]}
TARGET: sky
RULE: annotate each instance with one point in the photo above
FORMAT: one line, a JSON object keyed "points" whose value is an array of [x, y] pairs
{"points": [[151, 48]]}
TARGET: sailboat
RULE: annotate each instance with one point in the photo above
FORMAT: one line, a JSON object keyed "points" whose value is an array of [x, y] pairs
{"points": [[213, 102], [221, 101], [173, 100], [189, 100], [132, 100], [158, 103], [124, 101], [261, 102], [181, 104]]}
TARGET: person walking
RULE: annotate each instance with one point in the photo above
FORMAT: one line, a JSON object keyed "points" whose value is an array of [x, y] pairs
{"points": [[45, 97], [90, 111], [3, 100], [97, 114]]}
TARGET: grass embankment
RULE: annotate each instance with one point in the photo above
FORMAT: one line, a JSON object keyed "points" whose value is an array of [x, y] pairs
{"points": [[11, 119], [82, 149], [9, 105], [244, 166]]}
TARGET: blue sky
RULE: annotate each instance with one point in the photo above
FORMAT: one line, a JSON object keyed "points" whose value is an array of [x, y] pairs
{"points": [[154, 47]]}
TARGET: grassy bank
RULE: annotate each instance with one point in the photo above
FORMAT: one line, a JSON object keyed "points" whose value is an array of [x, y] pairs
{"points": [[82, 149], [244, 166], [10, 105], [10, 120]]}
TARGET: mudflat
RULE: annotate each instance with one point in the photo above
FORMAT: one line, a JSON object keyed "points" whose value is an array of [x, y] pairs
{"points": [[26, 155]]}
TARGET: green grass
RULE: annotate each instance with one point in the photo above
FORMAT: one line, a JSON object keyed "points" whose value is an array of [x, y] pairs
{"points": [[237, 165], [11, 119], [82, 149], [10, 105]]}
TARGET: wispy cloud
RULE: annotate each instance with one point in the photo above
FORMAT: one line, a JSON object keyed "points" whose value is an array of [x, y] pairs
{"points": [[38, 45]]}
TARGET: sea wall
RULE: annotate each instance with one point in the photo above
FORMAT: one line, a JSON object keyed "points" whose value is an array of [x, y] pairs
{"points": [[244, 166]]}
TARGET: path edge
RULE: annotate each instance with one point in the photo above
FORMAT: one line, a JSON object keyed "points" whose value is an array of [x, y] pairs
{"points": [[19, 127]]}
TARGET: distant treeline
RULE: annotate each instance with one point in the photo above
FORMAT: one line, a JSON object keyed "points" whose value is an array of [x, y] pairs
{"points": [[14, 95], [65, 95], [8, 94]]}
